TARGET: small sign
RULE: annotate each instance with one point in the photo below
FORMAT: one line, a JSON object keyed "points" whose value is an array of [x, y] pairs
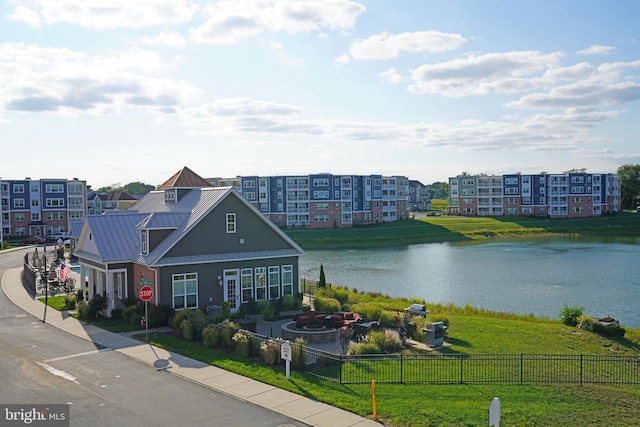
{"points": [[494, 413], [146, 293], [285, 351]]}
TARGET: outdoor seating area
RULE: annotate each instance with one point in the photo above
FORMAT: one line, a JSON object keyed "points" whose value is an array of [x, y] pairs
{"points": [[318, 319]]}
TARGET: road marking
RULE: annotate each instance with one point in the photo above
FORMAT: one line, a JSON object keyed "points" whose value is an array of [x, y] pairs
{"points": [[71, 356], [58, 372]]}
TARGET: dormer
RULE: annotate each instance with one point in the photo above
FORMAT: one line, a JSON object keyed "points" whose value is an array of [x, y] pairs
{"points": [[170, 196]]}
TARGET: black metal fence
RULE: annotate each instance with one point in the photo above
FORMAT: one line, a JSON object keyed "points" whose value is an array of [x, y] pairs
{"points": [[522, 368]]}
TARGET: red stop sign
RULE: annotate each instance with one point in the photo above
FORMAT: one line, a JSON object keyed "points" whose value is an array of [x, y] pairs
{"points": [[146, 293]]}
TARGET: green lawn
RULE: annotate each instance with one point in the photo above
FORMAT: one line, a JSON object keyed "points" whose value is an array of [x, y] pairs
{"points": [[57, 302], [449, 228]]}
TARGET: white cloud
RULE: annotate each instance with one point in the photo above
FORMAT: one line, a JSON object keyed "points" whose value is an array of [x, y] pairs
{"points": [[483, 74], [596, 50], [271, 44], [34, 79], [246, 116], [109, 14], [26, 15], [230, 21], [391, 75], [388, 46], [602, 87], [167, 38], [342, 59]]}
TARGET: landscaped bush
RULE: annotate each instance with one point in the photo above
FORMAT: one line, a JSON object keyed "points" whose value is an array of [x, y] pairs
{"points": [[336, 292], [377, 342], [156, 315], [614, 330], [188, 329], [271, 351], [242, 343], [328, 305], [367, 310], [70, 301], [288, 303], [116, 313], [84, 310], [212, 336], [585, 322], [130, 311], [229, 329], [569, 315], [388, 318], [198, 320], [298, 354], [99, 303]]}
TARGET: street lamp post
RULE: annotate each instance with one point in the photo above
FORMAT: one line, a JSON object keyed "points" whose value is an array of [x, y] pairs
{"points": [[46, 282]]}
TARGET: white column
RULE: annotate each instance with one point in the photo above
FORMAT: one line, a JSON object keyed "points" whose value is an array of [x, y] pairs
{"points": [[110, 293]]}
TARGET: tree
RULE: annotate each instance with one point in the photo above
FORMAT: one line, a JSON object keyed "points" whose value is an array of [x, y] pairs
{"points": [[322, 283], [138, 188], [629, 185]]}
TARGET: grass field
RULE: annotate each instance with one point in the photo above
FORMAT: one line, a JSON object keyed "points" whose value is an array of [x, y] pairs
{"points": [[448, 228]]}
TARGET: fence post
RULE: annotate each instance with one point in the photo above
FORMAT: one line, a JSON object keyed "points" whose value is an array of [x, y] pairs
{"points": [[580, 368], [521, 367], [340, 367], [400, 368], [461, 381]]}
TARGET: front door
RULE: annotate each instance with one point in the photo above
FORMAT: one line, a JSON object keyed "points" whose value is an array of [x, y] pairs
{"points": [[232, 289]]}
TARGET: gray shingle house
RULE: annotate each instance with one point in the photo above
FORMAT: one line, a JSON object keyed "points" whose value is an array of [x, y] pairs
{"points": [[194, 244]]}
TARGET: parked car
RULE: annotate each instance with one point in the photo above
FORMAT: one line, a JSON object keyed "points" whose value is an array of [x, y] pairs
{"points": [[32, 240], [55, 236]]}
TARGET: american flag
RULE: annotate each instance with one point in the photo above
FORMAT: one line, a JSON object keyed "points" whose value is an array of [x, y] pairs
{"points": [[64, 271]]}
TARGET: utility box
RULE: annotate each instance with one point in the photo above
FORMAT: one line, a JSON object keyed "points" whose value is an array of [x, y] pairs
{"points": [[434, 334]]}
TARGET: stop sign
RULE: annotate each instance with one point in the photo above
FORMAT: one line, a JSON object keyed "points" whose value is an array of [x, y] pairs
{"points": [[146, 293]]}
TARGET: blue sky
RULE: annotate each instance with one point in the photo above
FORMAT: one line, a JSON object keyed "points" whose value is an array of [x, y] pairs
{"points": [[133, 90]]}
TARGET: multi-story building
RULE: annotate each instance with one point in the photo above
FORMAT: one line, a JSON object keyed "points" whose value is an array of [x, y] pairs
{"points": [[324, 200], [419, 198], [98, 203], [564, 195], [42, 207]]}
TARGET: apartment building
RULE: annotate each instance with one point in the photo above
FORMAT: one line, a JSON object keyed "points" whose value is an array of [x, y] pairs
{"points": [[324, 200], [564, 195], [419, 198], [41, 207]]}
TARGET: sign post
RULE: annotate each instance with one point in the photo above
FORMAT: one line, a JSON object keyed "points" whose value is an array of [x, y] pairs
{"points": [[146, 293], [285, 353], [494, 413]]}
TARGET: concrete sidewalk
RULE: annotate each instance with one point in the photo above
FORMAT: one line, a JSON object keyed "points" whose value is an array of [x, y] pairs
{"points": [[298, 407]]}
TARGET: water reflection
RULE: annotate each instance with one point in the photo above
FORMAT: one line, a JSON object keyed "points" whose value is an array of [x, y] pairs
{"points": [[534, 275]]}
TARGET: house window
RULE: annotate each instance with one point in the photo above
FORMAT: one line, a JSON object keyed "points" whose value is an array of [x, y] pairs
{"points": [[250, 195], [274, 282], [231, 223], [169, 196], [54, 188], [19, 217], [144, 245], [247, 284], [35, 216], [18, 188], [185, 290], [35, 203], [18, 203], [118, 279], [287, 280], [261, 283], [55, 202]]}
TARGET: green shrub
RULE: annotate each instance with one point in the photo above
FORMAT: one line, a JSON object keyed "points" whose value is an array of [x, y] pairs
{"points": [[136, 318], [388, 318], [212, 336], [229, 329], [262, 305], [288, 303], [328, 305], [156, 315], [569, 315], [251, 306], [226, 308], [298, 354], [377, 342], [84, 310], [367, 310], [614, 330], [80, 295], [585, 322], [116, 313], [188, 329], [70, 301], [130, 311], [198, 321]]}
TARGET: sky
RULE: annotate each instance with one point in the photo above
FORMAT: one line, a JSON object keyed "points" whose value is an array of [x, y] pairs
{"points": [[119, 91]]}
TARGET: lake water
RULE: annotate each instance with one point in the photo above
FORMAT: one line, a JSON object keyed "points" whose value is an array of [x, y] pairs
{"points": [[536, 275]]}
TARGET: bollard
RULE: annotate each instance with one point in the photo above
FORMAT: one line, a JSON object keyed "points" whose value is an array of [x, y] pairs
{"points": [[373, 399]]}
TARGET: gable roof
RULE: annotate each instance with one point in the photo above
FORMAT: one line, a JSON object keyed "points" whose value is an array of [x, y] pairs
{"points": [[185, 178], [120, 195]]}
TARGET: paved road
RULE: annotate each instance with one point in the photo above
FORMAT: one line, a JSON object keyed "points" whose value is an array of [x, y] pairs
{"points": [[41, 364]]}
